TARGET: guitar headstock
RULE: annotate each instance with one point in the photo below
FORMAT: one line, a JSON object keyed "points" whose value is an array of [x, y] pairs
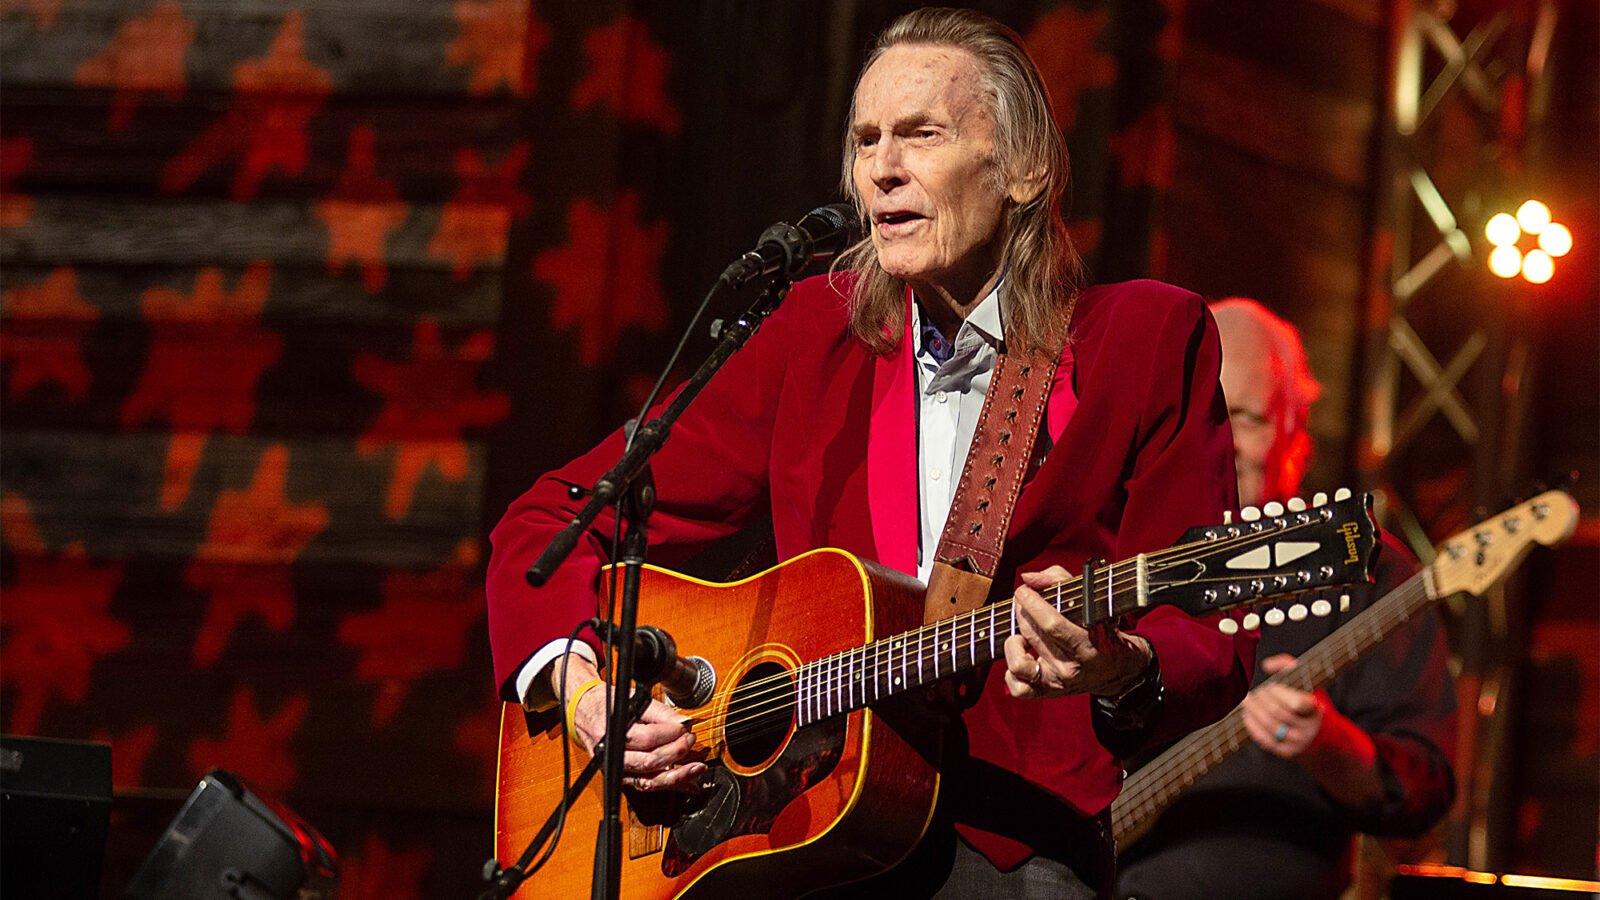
{"points": [[1268, 554], [1474, 559]]}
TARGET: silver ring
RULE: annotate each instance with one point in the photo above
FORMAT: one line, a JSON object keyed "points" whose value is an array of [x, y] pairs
{"points": [[1282, 733], [1038, 673]]}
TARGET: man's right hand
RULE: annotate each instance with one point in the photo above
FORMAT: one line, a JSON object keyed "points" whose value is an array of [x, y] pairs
{"points": [[661, 755]]}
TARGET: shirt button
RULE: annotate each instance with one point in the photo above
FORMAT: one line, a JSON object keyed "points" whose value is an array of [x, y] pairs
{"points": [[941, 396], [936, 474]]}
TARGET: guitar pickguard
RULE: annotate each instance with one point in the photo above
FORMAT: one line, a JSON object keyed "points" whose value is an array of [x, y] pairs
{"points": [[739, 805]]}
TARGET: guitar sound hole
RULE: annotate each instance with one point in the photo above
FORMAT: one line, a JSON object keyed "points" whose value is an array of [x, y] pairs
{"points": [[759, 713]]}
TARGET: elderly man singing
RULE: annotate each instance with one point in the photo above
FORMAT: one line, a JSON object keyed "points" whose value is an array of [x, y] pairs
{"points": [[849, 420]]}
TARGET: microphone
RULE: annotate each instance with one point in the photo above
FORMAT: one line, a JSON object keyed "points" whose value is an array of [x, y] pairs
{"points": [[688, 680], [786, 249]]}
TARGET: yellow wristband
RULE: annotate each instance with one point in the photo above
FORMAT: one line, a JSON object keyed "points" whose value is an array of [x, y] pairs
{"points": [[572, 704]]}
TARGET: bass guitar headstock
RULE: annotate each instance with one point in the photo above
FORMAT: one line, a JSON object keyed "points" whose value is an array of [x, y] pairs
{"points": [[1474, 559]]}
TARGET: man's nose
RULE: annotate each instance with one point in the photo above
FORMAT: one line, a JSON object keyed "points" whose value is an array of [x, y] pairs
{"points": [[887, 165]]}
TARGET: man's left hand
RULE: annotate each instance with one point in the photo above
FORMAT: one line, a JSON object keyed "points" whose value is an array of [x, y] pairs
{"points": [[1051, 655]]}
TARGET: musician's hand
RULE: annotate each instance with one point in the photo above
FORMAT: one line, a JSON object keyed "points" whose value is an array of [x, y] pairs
{"points": [[1292, 724], [1052, 655], [1282, 720], [660, 755]]}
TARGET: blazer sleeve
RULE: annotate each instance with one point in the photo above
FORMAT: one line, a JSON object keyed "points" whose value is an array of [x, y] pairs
{"points": [[1182, 475], [710, 478]]}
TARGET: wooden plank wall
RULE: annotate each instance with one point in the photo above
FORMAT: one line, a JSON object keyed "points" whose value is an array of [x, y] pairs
{"points": [[254, 259]]}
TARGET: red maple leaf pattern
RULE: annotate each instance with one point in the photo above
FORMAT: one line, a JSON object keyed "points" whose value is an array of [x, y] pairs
{"points": [[129, 752], [266, 127], [422, 628], [364, 211], [145, 56], [255, 746], [234, 592], [607, 276], [627, 71], [429, 400], [16, 154], [376, 872], [207, 352], [261, 527], [54, 626], [1144, 150], [495, 35], [1062, 43], [477, 737], [44, 335], [475, 224]]}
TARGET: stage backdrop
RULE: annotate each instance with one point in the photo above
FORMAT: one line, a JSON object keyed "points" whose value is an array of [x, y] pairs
{"points": [[297, 296]]}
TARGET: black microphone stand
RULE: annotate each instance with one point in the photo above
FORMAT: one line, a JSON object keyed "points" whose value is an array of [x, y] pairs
{"points": [[628, 484]]}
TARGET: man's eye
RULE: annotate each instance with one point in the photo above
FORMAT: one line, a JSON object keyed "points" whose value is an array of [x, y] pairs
{"points": [[1244, 418]]}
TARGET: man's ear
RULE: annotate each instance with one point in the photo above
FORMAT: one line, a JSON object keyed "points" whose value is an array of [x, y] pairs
{"points": [[1024, 189]]}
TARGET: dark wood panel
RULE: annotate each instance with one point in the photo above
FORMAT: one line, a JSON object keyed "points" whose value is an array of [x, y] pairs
{"points": [[334, 380], [296, 293], [356, 48], [106, 491], [1238, 102], [415, 141], [1293, 242], [67, 230]]}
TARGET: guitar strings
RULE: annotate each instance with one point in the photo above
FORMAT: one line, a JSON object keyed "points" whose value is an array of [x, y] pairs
{"points": [[1055, 592], [1203, 749], [777, 693]]}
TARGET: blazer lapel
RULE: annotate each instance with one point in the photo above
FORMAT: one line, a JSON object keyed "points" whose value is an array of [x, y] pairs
{"points": [[892, 455]]}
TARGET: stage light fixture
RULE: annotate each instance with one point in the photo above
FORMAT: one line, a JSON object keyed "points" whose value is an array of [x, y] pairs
{"points": [[1504, 231], [1537, 267]]}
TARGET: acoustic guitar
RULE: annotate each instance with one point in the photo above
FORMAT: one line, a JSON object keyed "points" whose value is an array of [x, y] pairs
{"points": [[1469, 562], [815, 777]]}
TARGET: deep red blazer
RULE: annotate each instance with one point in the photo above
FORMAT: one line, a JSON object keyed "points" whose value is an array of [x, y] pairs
{"points": [[809, 426]]}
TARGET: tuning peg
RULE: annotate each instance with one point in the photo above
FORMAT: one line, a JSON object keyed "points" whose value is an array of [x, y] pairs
{"points": [[1227, 517], [1344, 603], [1341, 494], [1251, 621], [1249, 514], [1297, 612], [1320, 608], [1319, 499], [1273, 508], [1274, 616], [1228, 626], [1297, 505]]}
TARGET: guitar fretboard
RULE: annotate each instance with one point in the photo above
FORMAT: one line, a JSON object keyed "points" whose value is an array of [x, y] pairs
{"points": [[861, 676], [1154, 787]]}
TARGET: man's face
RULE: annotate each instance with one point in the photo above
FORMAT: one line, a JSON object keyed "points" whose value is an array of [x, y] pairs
{"points": [[1255, 408], [924, 169]]}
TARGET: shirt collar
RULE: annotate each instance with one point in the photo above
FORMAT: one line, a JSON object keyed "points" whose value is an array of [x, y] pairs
{"points": [[986, 318]]}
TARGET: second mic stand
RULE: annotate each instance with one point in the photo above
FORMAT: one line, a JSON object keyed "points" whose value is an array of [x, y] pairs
{"points": [[628, 484]]}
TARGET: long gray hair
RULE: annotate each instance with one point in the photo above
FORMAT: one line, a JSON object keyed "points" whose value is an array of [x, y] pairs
{"points": [[1042, 268]]}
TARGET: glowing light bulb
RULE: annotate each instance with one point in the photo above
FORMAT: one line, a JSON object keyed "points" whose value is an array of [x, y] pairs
{"points": [[1555, 239], [1502, 230], [1533, 216], [1505, 261], [1537, 266]]}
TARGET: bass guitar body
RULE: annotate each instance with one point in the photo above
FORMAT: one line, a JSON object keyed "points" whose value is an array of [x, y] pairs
{"points": [[792, 802]]}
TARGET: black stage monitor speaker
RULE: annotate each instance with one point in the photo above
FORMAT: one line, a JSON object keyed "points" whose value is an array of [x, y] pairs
{"points": [[55, 801], [231, 841]]}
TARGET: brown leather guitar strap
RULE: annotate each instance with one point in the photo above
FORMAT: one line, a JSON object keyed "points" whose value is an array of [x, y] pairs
{"points": [[975, 533]]}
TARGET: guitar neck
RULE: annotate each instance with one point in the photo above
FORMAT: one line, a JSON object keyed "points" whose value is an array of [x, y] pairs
{"points": [[1154, 787], [858, 677]]}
